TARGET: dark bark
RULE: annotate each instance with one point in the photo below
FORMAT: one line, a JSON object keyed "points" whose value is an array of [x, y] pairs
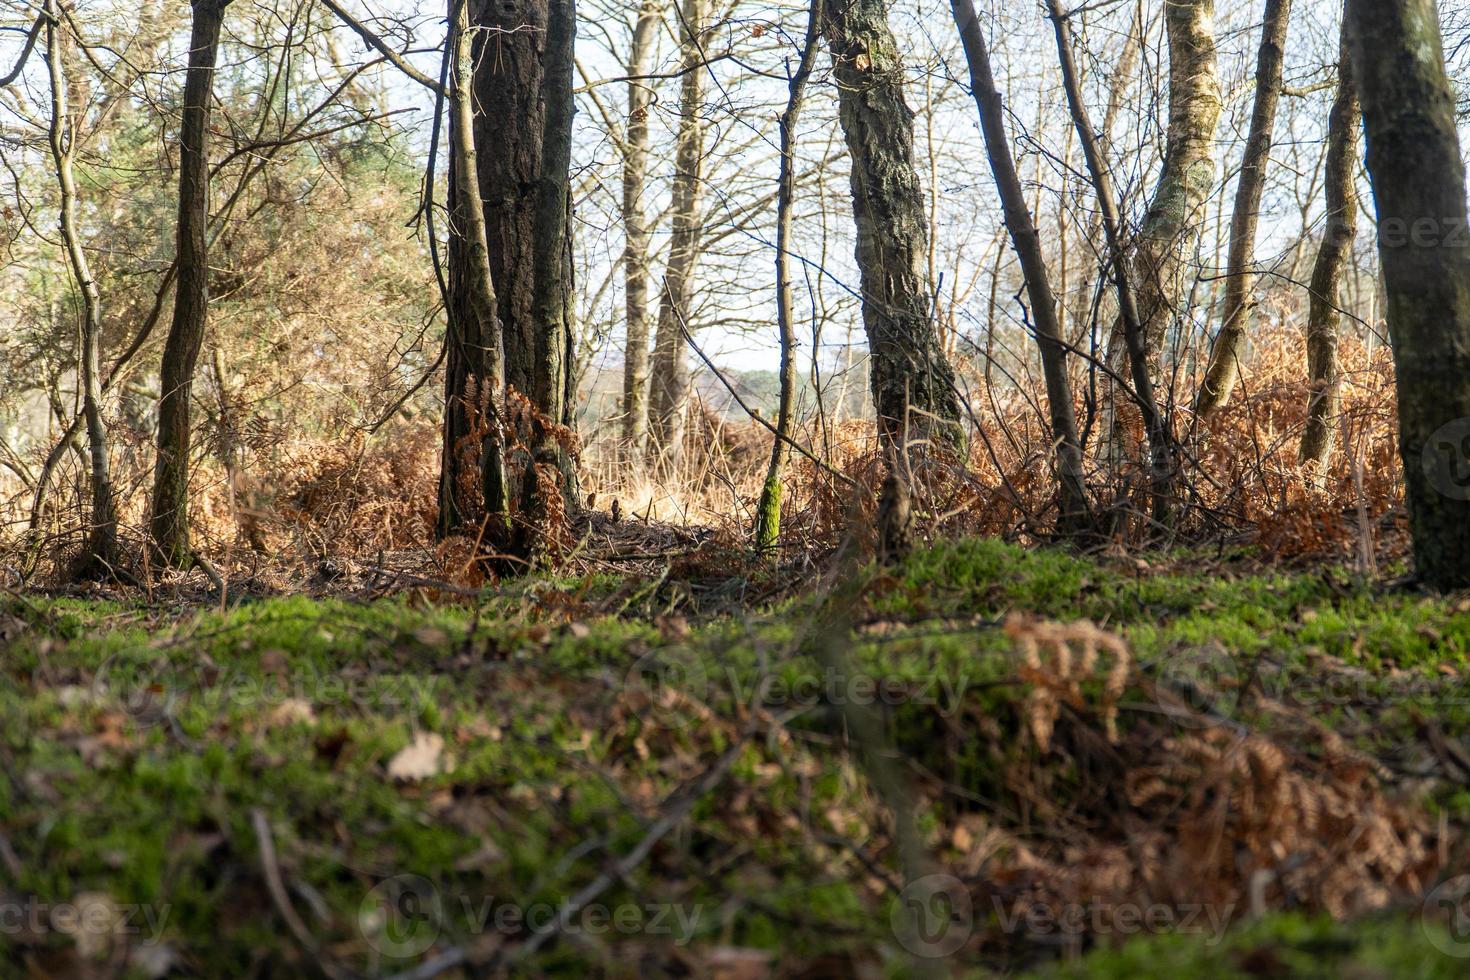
{"points": [[1340, 180], [768, 511], [32, 36], [913, 384], [170, 516], [509, 46], [1224, 366], [636, 237], [551, 307], [1424, 246], [669, 383], [553, 371], [475, 383], [1075, 510], [522, 115]]}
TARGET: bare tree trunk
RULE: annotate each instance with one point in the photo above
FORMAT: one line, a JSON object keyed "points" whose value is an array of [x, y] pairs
{"points": [[913, 384], [669, 394], [1171, 227], [552, 378], [768, 512], [170, 519], [509, 41], [475, 384], [1075, 510], [636, 236], [1161, 443], [1424, 247], [1340, 168], [1224, 366], [101, 548]]}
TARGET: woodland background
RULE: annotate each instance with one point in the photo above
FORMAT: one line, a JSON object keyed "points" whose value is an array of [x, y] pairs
{"points": [[388, 668]]}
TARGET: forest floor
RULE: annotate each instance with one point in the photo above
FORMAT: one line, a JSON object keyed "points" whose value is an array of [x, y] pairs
{"points": [[986, 760]]}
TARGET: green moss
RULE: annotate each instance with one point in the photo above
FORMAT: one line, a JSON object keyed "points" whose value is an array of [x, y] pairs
{"points": [[1279, 945], [142, 739]]}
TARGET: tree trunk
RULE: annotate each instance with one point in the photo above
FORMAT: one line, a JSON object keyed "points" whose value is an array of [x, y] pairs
{"points": [[1075, 511], [1424, 246], [552, 305], [101, 548], [170, 519], [1224, 366], [669, 394], [768, 511], [913, 384], [1161, 441], [1172, 223], [636, 237], [475, 383], [554, 370], [1341, 170], [509, 41], [522, 107]]}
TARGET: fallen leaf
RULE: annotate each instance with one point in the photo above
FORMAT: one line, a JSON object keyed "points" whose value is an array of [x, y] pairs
{"points": [[736, 963], [419, 759], [293, 711], [153, 960], [93, 921]]}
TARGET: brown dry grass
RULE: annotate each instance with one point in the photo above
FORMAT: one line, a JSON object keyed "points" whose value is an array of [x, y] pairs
{"points": [[308, 501]]}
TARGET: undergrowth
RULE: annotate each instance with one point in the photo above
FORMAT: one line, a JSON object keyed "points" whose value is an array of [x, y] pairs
{"points": [[480, 758]]}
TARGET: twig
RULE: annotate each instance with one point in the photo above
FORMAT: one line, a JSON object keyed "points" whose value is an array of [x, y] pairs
{"points": [[826, 468], [207, 567], [282, 901], [10, 862], [670, 819]]}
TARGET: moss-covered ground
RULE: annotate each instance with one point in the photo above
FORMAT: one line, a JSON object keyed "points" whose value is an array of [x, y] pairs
{"points": [[436, 774]]}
